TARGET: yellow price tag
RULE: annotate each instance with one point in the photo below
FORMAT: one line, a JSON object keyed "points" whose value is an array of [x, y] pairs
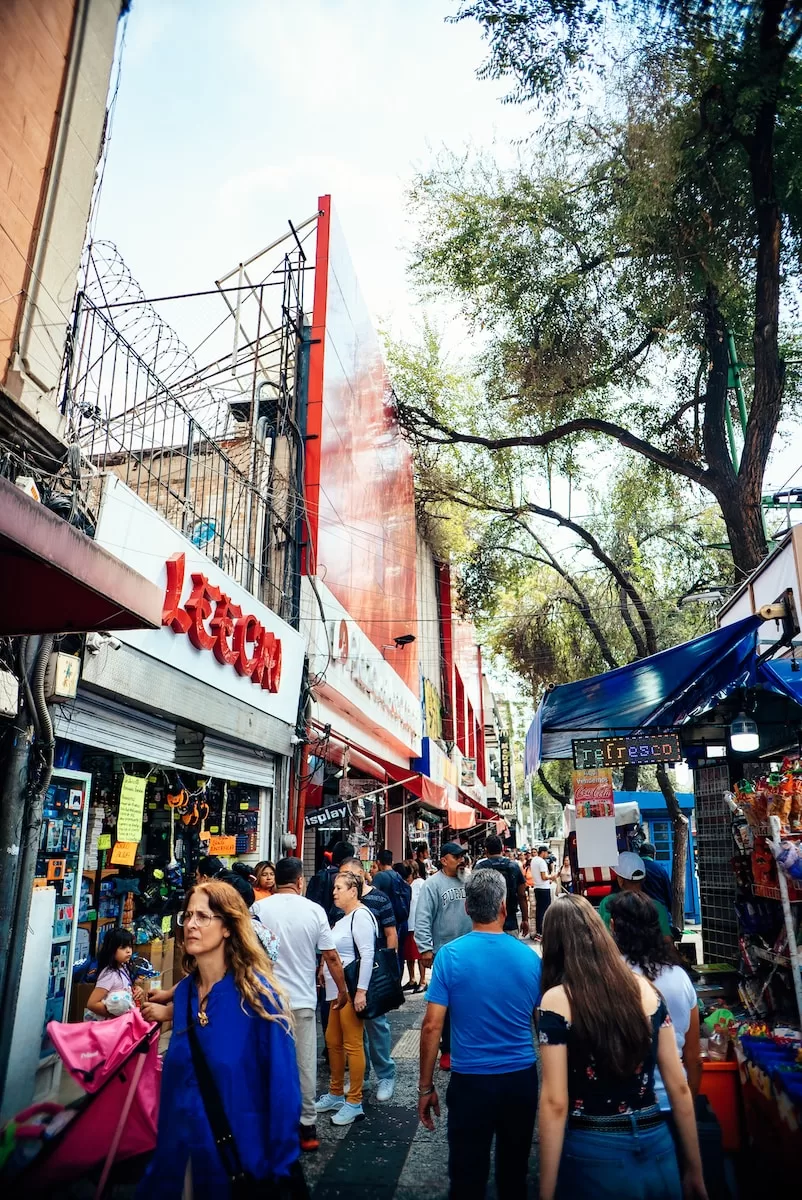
{"points": [[124, 854]]}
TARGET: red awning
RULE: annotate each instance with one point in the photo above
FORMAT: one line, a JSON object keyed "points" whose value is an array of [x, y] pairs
{"points": [[57, 580], [460, 816], [486, 814], [432, 794]]}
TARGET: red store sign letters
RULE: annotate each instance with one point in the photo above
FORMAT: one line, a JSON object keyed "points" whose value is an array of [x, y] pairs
{"points": [[212, 622]]}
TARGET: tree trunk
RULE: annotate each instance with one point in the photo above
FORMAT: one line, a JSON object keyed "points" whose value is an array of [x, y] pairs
{"points": [[741, 508], [679, 857], [629, 777]]}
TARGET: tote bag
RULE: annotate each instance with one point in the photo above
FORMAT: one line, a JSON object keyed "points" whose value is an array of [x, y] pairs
{"points": [[384, 990]]}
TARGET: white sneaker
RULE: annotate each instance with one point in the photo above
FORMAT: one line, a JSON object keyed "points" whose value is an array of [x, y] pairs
{"points": [[385, 1089], [329, 1103], [347, 1113]]}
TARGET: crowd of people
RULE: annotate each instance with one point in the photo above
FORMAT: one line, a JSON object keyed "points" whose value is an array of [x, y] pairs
{"points": [[604, 1002]]}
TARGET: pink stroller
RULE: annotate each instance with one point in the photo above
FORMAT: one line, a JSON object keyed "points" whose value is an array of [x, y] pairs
{"points": [[117, 1064]]}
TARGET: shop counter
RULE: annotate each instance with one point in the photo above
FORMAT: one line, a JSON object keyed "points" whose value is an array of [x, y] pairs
{"points": [[771, 1082]]}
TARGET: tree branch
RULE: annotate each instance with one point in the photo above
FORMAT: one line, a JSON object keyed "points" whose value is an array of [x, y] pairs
{"points": [[635, 633], [449, 437], [620, 576], [581, 602], [561, 797]]}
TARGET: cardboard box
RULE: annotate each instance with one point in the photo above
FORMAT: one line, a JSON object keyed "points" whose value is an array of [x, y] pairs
{"points": [[145, 950], [168, 979], [78, 998]]}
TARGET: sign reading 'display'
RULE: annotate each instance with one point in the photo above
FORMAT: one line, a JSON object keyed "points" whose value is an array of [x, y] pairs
{"points": [[327, 816], [621, 751]]}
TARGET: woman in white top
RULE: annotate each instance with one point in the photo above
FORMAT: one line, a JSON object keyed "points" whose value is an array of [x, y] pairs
{"points": [[635, 926], [345, 1030]]}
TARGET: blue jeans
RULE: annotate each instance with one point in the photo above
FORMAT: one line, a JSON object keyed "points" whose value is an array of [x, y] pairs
{"points": [[619, 1165], [378, 1045]]}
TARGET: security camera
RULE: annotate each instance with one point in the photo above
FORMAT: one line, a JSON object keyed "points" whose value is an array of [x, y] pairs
{"points": [[94, 641]]}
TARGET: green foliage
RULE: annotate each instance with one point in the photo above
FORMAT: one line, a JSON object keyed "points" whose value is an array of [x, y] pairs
{"points": [[661, 206]]}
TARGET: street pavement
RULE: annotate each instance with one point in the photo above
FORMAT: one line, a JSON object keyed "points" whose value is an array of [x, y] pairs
{"points": [[389, 1155]]}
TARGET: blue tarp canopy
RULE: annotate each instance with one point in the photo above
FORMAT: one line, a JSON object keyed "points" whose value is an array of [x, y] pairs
{"points": [[666, 689]]}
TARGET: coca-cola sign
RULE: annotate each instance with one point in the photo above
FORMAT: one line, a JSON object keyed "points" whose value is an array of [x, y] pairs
{"points": [[593, 793]]}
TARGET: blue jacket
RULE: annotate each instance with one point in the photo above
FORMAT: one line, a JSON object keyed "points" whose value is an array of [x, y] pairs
{"points": [[657, 883], [253, 1063]]}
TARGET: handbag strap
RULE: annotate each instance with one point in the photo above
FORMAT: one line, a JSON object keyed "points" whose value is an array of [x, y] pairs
{"points": [[357, 956], [210, 1095]]}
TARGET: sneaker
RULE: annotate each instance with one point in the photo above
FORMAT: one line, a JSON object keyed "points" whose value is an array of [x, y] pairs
{"points": [[445, 1062], [309, 1138], [348, 1113], [329, 1103], [409, 987], [385, 1090]]}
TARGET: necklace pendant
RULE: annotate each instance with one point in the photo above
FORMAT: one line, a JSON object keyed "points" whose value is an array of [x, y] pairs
{"points": [[202, 1018]]}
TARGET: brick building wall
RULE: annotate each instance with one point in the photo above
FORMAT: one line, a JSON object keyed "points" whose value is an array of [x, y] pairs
{"points": [[35, 41]]}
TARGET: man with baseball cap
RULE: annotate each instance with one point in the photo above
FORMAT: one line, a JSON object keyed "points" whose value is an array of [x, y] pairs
{"points": [[441, 918], [630, 872]]}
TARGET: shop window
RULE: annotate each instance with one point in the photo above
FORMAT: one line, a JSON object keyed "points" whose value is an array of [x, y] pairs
{"points": [[661, 839]]}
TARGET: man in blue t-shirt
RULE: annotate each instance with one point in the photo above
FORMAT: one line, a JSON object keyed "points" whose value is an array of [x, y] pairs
{"points": [[490, 985]]}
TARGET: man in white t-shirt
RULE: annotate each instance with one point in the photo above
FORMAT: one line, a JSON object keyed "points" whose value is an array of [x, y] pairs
{"points": [[303, 931], [542, 879]]}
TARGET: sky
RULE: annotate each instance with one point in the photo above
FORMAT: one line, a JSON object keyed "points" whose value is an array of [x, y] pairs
{"points": [[232, 118]]}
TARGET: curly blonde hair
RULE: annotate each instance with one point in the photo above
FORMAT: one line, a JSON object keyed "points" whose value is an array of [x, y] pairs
{"points": [[245, 958]]}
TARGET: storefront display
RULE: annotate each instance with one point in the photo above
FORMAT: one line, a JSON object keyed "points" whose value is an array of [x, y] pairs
{"points": [[58, 866]]}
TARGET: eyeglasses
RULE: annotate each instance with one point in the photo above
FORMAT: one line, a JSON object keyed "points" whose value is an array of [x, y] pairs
{"points": [[201, 919]]}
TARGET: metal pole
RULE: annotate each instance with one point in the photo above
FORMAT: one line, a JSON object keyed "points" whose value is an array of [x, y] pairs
{"points": [[735, 367], [793, 951], [29, 847], [12, 806], [730, 434]]}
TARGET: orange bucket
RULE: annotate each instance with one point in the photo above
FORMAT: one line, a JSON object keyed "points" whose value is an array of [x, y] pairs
{"points": [[721, 1085]]}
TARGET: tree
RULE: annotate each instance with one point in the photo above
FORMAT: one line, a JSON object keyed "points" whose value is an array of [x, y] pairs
{"points": [[559, 612], [609, 272]]}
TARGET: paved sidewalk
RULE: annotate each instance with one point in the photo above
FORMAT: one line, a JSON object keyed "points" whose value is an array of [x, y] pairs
{"points": [[389, 1155]]}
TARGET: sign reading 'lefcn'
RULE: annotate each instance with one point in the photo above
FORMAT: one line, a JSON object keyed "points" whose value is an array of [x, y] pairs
{"points": [[211, 622]]}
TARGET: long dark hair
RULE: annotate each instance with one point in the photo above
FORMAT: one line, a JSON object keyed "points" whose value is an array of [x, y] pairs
{"points": [[636, 931], [115, 939], [607, 1016]]}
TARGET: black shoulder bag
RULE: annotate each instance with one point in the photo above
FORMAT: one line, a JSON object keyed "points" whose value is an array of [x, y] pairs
{"points": [[243, 1184], [384, 991]]}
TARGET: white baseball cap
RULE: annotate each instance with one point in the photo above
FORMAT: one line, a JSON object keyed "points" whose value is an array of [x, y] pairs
{"points": [[630, 866]]}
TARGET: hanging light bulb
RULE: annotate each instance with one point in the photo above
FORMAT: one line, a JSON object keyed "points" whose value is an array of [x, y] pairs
{"points": [[744, 736]]}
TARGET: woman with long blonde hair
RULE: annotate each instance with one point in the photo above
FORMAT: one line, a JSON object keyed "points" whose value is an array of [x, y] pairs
{"points": [[231, 1099]]}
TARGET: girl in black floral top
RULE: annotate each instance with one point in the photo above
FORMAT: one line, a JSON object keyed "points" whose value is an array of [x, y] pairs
{"points": [[602, 1030]]}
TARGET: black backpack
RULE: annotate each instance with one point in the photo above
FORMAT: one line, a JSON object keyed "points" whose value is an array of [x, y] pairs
{"points": [[320, 889], [508, 871]]}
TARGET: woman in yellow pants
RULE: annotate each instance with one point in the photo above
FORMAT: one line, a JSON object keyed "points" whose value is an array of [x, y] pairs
{"points": [[354, 934]]}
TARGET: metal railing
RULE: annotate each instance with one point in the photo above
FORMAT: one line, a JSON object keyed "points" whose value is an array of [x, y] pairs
{"points": [[200, 459]]}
